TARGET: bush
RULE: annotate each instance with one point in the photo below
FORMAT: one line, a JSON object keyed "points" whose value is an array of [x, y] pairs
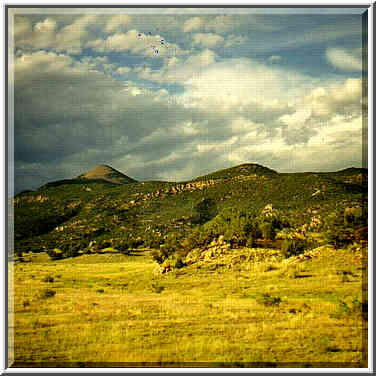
{"points": [[47, 293], [170, 247], [179, 263], [205, 209], [339, 236], [270, 220], [268, 300], [293, 247], [341, 227], [55, 254], [157, 257], [268, 232], [250, 242], [152, 241], [48, 278]]}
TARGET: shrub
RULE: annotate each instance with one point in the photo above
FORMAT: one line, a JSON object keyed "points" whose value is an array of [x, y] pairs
{"points": [[179, 263], [270, 220], [356, 307], [268, 300], [48, 278], [250, 241], [152, 241], [122, 246], [157, 288], [343, 227], [336, 233], [47, 293], [157, 256], [205, 209], [170, 247], [55, 254], [293, 247], [268, 232]]}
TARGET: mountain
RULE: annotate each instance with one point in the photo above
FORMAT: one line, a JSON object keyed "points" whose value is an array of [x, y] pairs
{"points": [[245, 169], [100, 174], [105, 206], [108, 174]]}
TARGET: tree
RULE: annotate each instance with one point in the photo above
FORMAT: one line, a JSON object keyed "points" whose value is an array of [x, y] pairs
{"points": [[206, 210]]}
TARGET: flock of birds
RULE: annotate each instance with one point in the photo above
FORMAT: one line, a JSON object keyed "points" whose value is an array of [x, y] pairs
{"points": [[153, 46]]}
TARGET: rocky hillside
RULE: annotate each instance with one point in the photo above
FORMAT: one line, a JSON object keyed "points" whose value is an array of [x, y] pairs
{"points": [[246, 169], [104, 207]]}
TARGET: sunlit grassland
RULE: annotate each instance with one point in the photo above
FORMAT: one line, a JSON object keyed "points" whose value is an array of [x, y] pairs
{"points": [[117, 309]]}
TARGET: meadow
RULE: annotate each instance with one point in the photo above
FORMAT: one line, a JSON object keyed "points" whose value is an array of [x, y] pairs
{"points": [[116, 310]]}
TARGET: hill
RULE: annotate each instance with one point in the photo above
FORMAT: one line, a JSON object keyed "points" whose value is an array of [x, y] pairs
{"points": [[107, 173], [100, 174], [245, 169], [104, 207]]}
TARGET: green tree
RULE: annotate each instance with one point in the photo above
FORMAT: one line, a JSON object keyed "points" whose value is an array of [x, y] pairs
{"points": [[206, 210]]}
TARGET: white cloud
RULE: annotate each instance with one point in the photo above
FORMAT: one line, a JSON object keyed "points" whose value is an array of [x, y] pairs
{"points": [[117, 22], [234, 40], [221, 24], [48, 25], [347, 60], [138, 43], [99, 63], [192, 24], [207, 40], [73, 37], [297, 119], [179, 70], [244, 82], [340, 98], [123, 70], [42, 35], [47, 35]]}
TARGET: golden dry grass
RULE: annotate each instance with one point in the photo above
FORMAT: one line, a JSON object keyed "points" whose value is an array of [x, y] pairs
{"points": [[112, 309]]}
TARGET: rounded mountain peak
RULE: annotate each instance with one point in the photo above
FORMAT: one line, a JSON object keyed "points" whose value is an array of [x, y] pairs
{"points": [[107, 173]]}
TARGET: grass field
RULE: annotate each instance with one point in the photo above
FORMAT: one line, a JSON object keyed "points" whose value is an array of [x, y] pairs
{"points": [[115, 310]]}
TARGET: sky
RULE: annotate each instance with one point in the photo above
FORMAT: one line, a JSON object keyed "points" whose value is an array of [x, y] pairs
{"points": [[171, 94]]}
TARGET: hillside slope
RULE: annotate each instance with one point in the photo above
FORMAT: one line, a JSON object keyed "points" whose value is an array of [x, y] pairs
{"points": [[108, 213]]}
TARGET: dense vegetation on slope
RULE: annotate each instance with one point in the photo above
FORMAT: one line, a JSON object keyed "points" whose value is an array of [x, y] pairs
{"points": [[82, 215]]}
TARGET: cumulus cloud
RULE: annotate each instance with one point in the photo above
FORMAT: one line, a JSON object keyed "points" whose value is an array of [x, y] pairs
{"points": [[179, 70], [123, 70], [235, 40], [221, 24], [117, 22], [48, 25], [342, 98], [87, 31], [137, 43], [192, 24], [348, 60], [207, 40], [243, 82], [46, 34]]}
